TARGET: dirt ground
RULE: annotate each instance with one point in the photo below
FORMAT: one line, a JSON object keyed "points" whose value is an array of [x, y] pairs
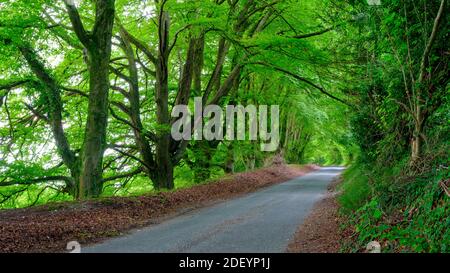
{"points": [[50, 227], [320, 232]]}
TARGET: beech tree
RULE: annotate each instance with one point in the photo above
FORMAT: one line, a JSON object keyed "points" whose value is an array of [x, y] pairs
{"points": [[86, 165]]}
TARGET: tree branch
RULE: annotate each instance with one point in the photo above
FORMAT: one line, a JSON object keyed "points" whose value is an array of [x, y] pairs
{"points": [[124, 175], [431, 40], [139, 44], [317, 33], [37, 181], [77, 23], [14, 84], [307, 81]]}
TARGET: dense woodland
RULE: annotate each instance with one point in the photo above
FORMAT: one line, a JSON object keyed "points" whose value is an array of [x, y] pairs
{"points": [[87, 90]]}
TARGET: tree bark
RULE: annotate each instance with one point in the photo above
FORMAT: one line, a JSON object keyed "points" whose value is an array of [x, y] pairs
{"points": [[164, 167], [98, 45], [134, 112]]}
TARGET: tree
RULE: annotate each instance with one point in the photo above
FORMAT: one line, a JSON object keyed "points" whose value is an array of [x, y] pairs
{"points": [[98, 46], [85, 168]]}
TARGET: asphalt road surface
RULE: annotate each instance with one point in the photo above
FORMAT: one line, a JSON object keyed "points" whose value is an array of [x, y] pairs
{"points": [[261, 222]]}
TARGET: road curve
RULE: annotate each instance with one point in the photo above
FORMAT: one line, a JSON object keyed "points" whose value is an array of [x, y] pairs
{"points": [[261, 222]]}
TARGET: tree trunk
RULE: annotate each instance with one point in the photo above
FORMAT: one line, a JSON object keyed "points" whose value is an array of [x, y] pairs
{"points": [[203, 155], [141, 140], [98, 45], [415, 148], [416, 142], [95, 134], [164, 167], [163, 176]]}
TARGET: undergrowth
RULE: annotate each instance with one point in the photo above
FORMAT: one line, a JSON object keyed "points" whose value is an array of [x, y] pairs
{"points": [[404, 208]]}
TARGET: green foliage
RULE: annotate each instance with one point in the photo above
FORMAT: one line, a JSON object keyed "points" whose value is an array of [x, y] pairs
{"points": [[414, 219], [355, 190], [389, 195], [371, 60], [318, 129]]}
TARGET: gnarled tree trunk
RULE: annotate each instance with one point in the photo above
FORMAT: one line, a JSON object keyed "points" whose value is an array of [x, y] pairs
{"points": [[98, 45], [164, 168]]}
